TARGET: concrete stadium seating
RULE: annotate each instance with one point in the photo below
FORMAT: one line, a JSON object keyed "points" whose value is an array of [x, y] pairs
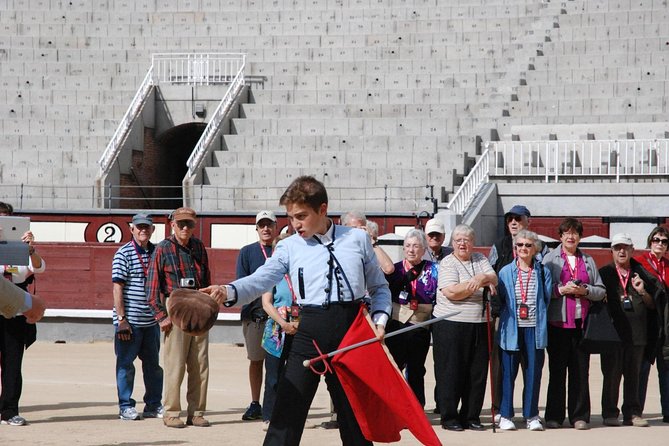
{"points": [[361, 93]]}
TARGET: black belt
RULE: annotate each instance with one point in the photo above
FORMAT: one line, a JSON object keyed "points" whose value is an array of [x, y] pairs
{"points": [[324, 305]]}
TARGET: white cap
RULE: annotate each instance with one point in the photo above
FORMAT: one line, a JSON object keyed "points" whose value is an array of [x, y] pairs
{"points": [[265, 215], [621, 239], [434, 225]]}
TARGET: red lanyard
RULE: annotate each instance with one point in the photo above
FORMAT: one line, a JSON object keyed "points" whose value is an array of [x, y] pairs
{"points": [[262, 248], [145, 266], [572, 272], [414, 283], [623, 282], [523, 292], [658, 265]]}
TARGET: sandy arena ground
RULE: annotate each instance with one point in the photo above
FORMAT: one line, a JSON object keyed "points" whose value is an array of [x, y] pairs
{"points": [[69, 398]]}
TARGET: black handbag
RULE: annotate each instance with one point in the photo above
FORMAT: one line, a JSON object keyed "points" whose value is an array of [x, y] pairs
{"points": [[600, 335], [254, 312]]}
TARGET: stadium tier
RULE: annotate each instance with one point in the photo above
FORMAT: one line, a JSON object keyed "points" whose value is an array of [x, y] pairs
{"points": [[378, 99]]}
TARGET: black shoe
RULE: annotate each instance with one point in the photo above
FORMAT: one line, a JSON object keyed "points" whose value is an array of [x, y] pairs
{"points": [[475, 426], [253, 412], [665, 419], [452, 426]]}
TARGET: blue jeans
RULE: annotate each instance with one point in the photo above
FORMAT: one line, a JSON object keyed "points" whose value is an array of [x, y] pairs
{"points": [[145, 344], [663, 380], [534, 361]]}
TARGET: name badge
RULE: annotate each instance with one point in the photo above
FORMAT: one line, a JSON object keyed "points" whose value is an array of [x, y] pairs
{"points": [[404, 297]]}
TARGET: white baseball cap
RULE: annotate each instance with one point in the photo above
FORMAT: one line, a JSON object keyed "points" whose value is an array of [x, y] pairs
{"points": [[434, 225], [265, 215]]}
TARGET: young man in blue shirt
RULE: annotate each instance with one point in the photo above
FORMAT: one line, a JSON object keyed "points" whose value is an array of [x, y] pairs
{"points": [[331, 268]]}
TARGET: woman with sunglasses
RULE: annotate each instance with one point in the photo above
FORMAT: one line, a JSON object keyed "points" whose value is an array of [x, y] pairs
{"points": [[525, 288], [655, 262], [460, 346], [576, 282]]}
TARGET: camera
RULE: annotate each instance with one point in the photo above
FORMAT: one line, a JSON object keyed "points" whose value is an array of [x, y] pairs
{"points": [[627, 304], [187, 282], [577, 282]]}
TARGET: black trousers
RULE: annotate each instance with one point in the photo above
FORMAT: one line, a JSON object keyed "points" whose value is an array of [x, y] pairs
{"points": [[15, 334], [566, 357], [409, 351], [461, 365], [622, 361], [298, 384]]}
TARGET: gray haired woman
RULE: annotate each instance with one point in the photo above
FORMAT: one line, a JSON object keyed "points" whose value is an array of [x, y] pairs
{"points": [[460, 341]]}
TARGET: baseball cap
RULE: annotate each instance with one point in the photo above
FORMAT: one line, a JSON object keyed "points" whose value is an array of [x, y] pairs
{"points": [[265, 215], [142, 219], [518, 209], [621, 238], [434, 225], [184, 214]]}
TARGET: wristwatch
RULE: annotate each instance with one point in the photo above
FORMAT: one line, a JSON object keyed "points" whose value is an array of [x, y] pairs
{"points": [[121, 318]]}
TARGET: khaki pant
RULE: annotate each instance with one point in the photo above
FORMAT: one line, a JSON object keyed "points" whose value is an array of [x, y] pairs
{"points": [[181, 353]]}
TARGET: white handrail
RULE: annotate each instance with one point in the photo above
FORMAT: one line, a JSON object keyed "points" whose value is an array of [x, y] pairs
{"points": [[196, 68], [196, 158], [477, 177], [113, 148]]}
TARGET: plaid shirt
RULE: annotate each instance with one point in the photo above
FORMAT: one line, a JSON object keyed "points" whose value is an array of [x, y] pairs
{"points": [[170, 263]]}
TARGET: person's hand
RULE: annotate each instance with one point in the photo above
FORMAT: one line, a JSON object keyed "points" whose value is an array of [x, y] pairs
{"points": [[165, 325], [638, 284], [37, 311], [28, 238], [217, 292], [124, 331], [380, 332], [290, 328], [572, 288]]}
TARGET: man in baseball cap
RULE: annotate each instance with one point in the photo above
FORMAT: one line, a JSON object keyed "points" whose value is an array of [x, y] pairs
{"points": [[631, 295], [251, 257], [436, 234]]}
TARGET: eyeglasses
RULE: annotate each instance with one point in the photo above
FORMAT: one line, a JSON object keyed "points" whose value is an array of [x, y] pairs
{"points": [[664, 241], [190, 224], [619, 247], [526, 245], [263, 224], [142, 227], [517, 218], [462, 241], [435, 234]]}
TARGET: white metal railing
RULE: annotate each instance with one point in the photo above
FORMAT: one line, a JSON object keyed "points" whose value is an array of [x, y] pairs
{"points": [[551, 160], [477, 177], [113, 148], [196, 68], [201, 148]]}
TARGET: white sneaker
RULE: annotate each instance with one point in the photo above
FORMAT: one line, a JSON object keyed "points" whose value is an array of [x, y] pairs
{"points": [[534, 424], [497, 418], [506, 425], [129, 414], [16, 420]]}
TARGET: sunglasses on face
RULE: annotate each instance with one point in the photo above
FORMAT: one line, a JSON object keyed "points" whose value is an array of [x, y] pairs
{"points": [[262, 225], [524, 245], [142, 227], [518, 218], [664, 241], [619, 247], [190, 224]]}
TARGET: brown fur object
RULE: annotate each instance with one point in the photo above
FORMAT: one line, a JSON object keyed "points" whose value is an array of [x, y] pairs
{"points": [[192, 311]]}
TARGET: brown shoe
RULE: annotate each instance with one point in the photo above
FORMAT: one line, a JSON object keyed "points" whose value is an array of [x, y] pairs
{"points": [[197, 421], [173, 422]]}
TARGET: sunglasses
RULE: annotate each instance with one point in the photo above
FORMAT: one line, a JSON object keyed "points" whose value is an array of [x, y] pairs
{"points": [[518, 218], [525, 245], [142, 227], [190, 224], [264, 224], [664, 241], [619, 247]]}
